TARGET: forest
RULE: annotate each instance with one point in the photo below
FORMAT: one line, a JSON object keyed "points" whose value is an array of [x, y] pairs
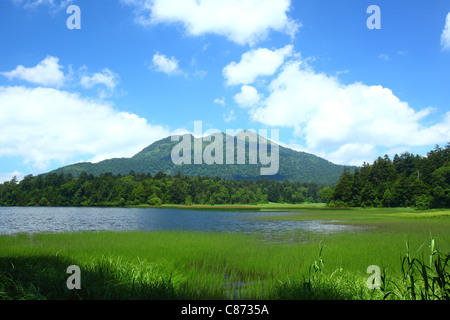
{"points": [[293, 165], [136, 189], [405, 181]]}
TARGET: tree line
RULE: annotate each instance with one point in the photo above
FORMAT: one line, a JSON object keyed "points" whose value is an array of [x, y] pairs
{"points": [[135, 189], [405, 181]]}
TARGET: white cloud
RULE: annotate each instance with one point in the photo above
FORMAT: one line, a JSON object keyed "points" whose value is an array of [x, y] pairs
{"points": [[53, 5], [198, 74], [248, 97], [166, 65], [220, 101], [255, 63], [45, 125], [241, 21], [47, 73], [383, 56], [349, 122], [359, 152], [230, 116], [106, 78], [445, 36], [10, 175]]}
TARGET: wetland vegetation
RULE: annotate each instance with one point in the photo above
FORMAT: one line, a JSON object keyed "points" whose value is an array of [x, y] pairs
{"points": [[409, 246]]}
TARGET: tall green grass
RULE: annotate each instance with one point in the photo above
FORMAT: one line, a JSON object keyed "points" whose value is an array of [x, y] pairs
{"points": [[189, 265], [197, 265], [178, 265], [421, 278]]}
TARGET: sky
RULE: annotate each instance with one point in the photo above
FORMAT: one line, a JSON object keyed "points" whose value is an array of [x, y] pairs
{"points": [[107, 78]]}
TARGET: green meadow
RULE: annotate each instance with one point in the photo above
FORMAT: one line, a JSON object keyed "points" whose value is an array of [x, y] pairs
{"points": [[410, 247]]}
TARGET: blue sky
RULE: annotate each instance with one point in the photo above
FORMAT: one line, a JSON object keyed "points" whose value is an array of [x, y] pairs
{"points": [[138, 70]]}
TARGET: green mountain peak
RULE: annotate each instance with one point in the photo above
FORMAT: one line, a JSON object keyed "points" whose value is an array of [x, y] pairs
{"points": [[293, 165]]}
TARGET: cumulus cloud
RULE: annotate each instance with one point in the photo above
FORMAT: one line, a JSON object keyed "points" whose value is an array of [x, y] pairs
{"points": [[348, 121], [47, 73], [445, 36], [8, 176], [166, 65], [361, 152], [248, 97], [45, 125], [105, 78], [241, 21], [255, 63]]}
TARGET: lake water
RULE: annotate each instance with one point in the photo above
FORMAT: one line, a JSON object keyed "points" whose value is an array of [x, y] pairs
{"points": [[15, 220]]}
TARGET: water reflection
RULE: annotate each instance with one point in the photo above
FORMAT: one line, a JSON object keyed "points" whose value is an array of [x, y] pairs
{"points": [[36, 220]]}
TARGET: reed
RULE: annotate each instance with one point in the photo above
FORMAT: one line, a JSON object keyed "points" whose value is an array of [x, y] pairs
{"points": [[201, 265]]}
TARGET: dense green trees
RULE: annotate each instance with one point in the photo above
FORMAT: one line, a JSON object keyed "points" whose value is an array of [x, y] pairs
{"points": [[294, 166], [133, 189], [407, 180]]}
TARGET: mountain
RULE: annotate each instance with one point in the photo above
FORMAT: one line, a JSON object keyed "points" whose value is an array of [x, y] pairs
{"points": [[293, 165]]}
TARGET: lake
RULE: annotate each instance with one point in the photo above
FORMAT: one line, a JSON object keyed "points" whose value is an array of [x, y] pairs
{"points": [[30, 220]]}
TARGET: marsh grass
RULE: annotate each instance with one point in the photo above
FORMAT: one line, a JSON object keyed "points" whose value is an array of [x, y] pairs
{"points": [[44, 277], [155, 265], [239, 268], [356, 215], [421, 278], [199, 265]]}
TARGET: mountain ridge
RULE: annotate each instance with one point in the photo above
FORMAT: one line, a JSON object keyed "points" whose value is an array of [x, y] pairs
{"points": [[294, 165]]}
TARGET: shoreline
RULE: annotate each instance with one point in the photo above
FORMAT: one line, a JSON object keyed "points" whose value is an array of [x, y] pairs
{"points": [[240, 207]]}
